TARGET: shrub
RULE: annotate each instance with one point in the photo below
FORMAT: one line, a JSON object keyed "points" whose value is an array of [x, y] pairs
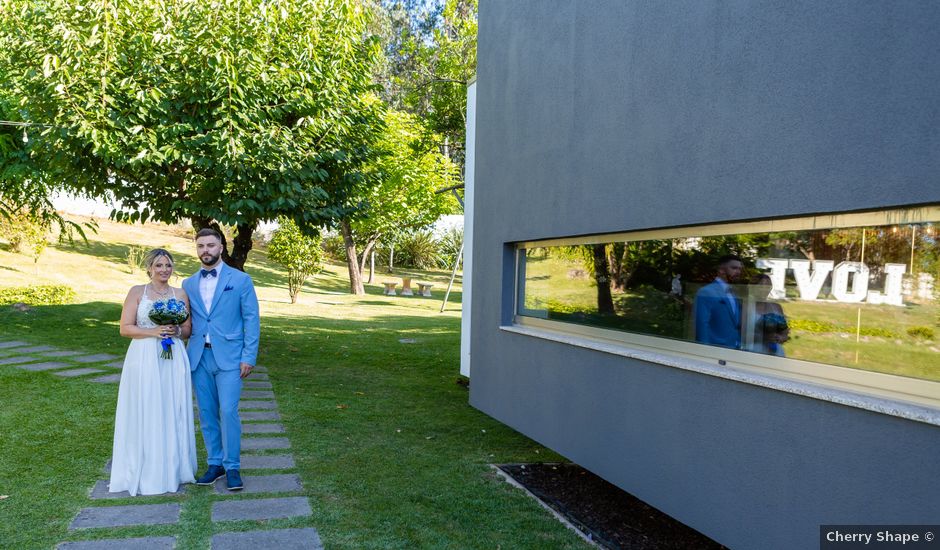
{"points": [[135, 258], [922, 332], [334, 247], [418, 249], [300, 254], [26, 232], [37, 295], [811, 326], [449, 245]]}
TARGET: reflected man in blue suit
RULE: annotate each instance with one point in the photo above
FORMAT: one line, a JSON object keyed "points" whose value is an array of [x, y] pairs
{"points": [[717, 309]]}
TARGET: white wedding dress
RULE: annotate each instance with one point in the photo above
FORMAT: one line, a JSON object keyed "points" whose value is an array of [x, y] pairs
{"points": [[154, 437]]}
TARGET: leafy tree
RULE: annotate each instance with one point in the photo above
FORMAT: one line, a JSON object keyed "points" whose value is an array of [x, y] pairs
{"points": [[221, 112], [26, 232], [398, 189], [300, 254], [25, 192], [430, 57]]}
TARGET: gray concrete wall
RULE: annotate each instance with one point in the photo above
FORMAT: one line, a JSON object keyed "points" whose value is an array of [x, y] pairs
{"points": [[599, 117]]}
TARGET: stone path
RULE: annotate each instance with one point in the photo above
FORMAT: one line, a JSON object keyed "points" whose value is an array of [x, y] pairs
{"points": [[61, 362], [264, 448]]}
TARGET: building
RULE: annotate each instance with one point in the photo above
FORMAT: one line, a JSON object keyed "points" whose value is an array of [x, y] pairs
{"points": [[634, 142]]}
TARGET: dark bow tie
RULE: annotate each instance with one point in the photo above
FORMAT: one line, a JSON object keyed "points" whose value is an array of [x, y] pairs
{"points": [[208, 272]]}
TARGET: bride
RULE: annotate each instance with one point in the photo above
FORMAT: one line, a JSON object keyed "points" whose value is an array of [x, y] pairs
{"points": [[154, 438]]}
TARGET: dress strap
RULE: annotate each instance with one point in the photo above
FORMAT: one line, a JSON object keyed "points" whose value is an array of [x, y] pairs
{"points": [[173, 290]]}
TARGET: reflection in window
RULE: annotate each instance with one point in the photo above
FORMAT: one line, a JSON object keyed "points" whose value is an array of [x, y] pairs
{"points": [[860, 297]]}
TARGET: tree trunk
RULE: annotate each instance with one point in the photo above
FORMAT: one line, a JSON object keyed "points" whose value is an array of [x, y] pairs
{"points": [[391, 257], [605, 302], [241, 245], [352, 260], [368, 252]]}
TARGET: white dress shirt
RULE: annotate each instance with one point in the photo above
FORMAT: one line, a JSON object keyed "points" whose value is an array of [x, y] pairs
{"points": [[207, 288]]}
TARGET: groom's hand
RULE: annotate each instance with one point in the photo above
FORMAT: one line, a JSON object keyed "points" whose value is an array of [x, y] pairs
{"points": [[246, 369]]}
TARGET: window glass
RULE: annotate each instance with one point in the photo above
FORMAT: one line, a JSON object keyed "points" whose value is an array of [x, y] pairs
{"points": [[860, 297]]}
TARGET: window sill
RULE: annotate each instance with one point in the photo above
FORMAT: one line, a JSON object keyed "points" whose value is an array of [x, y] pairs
{"points": [[858, 400]]}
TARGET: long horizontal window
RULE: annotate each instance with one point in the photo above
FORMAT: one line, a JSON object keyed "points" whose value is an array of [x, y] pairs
{"points": [[858, 291]]}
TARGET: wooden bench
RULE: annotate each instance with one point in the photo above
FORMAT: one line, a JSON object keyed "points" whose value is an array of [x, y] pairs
{"points": [[406, 286], [390, 288], [424, 289]]}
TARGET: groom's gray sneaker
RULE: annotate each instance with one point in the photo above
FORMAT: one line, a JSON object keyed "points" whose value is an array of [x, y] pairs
{"points": [[234, 481], [213, 473]]}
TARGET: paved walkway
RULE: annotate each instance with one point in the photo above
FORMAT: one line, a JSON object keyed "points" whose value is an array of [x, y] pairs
{"points": [[265, 447]]}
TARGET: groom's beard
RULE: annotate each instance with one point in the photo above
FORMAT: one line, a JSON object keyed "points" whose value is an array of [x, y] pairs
{"points": [[208, 259]]}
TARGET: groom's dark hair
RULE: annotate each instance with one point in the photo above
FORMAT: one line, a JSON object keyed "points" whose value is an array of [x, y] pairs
{"points": [[208, 232]]}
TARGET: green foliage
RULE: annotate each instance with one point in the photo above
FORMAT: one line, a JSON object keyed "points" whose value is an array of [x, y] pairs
{"points": [[419, 250], [229, 111], [37, 295], [827, 327], [921, 332], [299, 253], [333, 247], [398, 190], [135, 258], [449, 245], [26, 232], [430, 58], [811, 326]]}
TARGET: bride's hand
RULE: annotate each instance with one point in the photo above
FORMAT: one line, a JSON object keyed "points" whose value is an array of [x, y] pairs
{"points": [[166, 330]]}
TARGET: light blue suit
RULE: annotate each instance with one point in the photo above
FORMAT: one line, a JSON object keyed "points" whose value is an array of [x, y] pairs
{"points": [[716, 321], [234, 328]]}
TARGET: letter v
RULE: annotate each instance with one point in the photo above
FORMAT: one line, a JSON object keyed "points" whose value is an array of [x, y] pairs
{"points": [[810, 285]]}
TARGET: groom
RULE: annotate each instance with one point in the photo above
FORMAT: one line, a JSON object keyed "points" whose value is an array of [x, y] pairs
{"points": [[222, 350]]}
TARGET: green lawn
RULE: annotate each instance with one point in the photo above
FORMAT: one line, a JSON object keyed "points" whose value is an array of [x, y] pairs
{"points": [[389, 452]]}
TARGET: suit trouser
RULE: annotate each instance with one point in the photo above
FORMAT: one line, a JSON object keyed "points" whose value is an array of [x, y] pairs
{"points": [[217, 392]]}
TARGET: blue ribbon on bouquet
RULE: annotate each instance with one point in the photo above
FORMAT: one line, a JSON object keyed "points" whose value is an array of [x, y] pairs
{"points": [[167, 344]]}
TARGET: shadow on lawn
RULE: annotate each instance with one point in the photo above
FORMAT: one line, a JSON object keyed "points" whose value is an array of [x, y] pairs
{"points": [[92, 325]]}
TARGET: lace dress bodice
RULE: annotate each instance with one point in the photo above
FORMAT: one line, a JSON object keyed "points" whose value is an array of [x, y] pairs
{"points": [[144, 307]]}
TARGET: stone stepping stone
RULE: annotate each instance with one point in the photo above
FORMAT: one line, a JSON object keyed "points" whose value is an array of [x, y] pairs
{"points": [[259, 415], [49, 365], [261, 385], [96, 358], [60, 353], [35, 349], [16, 360], [260, 443], [71, 373], [12, 344], [108, 379], [260, 508], [150, 543], [275, 483], [122, 516], [100, 490], [257, 405], [267, 462], [257, 394], [257, 376], [116, 364], [282, 539], [262, 429], [259, 368]]}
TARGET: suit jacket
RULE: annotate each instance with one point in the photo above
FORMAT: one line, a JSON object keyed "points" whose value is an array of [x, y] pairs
{"points": [[716, 323], [232, 323]]}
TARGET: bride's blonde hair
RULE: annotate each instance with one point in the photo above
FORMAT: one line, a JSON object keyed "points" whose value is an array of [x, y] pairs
{"points": [[152, 256]]}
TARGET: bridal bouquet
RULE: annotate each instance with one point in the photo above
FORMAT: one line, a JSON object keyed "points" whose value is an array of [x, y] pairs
{"points": [[168, 312]]}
